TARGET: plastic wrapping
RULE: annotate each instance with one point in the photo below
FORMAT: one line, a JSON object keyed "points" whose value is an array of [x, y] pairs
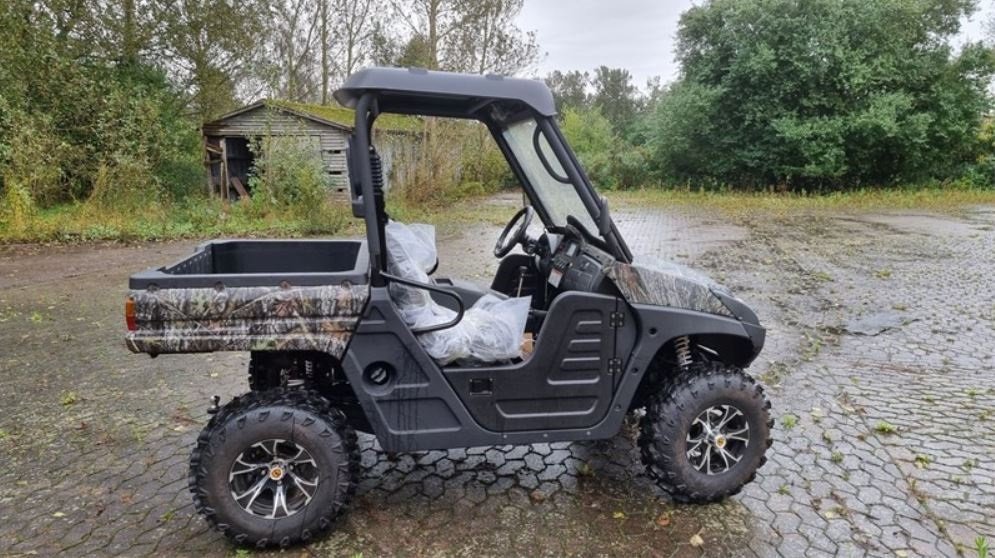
{"points": [[491, 330]]}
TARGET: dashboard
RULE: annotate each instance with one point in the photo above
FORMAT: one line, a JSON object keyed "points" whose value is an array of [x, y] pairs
{"points": [[577, 266]]}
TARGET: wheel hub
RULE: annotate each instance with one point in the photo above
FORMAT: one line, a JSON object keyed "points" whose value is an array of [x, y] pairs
{"points": [[276, 472], [717, 439], [273, 479]]}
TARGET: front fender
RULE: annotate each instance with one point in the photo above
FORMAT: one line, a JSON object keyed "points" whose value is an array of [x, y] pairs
{"points": [[736, 341]]}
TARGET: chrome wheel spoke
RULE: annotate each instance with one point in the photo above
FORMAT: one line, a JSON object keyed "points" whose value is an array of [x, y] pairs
{"points": [[303, 485], [254, 491], [247, 468], [726, 456], [279, 501], [694, 448], [731, 413]]}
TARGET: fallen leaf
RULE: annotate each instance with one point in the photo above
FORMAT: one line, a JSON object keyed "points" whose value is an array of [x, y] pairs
{"points": [[663, 520], [537, 496], [58, 514], [619, 515], [696, 540]]}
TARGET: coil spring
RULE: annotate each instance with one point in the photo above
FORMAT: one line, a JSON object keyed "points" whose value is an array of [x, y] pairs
{"points": [[682, 348]]}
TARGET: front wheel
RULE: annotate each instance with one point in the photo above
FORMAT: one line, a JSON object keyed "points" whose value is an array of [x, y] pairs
{"points": [[705, 434], [274, 468]]}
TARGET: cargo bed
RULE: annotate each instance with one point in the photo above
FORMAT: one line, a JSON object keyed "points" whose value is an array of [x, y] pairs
{"points": [[251, 295], [262, 263]]}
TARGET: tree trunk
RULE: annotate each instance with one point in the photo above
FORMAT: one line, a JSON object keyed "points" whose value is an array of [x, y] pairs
{"points": [[325, 70]]}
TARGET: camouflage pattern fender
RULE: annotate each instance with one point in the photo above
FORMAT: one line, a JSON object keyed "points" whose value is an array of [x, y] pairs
{"points": [[663, 283], [288, 318]]}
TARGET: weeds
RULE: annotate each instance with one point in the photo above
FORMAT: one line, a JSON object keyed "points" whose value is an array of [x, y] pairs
{"points": [[789, 421], [884, 427], [981, 547], [746, 204]]}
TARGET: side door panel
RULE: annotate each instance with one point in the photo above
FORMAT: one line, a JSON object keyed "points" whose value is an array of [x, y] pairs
{"points": [[568, 382]]}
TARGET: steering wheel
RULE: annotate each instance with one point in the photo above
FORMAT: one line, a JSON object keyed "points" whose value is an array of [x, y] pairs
{"points": [[514, 231]]}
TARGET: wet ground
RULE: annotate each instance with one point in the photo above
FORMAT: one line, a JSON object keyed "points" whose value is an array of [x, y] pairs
{"points": [[880, 362]]}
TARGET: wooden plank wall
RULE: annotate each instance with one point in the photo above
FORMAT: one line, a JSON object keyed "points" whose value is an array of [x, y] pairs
{"points": [[262, 121]]}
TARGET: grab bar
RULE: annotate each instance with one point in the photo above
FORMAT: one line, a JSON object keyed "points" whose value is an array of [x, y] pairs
{"points": [[434, 289]]}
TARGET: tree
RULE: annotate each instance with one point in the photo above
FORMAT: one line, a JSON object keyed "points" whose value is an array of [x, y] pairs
{"points": [[356, 23], [615, 96], [822, 94], [569, 88], [459, 35], [489, 41], [206, 51], [290, 66]]}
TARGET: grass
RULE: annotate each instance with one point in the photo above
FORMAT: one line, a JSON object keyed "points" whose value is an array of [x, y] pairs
{"points": [[213, 218], [743, 204], [193, 218], [209, 218], [884, 427], [789, 421]]}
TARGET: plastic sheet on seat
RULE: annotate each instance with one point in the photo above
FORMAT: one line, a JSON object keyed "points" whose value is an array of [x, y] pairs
{"points": [[491, 330]]}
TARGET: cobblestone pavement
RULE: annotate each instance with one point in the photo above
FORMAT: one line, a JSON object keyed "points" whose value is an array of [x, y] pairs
{"points": [[880, 364]]}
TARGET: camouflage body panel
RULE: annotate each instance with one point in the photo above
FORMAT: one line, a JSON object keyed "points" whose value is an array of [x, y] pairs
{"points": [[287, 318], [666, 284]]}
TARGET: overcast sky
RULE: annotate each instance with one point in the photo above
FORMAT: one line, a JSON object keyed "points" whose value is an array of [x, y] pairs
{"points": [[634, 34]]}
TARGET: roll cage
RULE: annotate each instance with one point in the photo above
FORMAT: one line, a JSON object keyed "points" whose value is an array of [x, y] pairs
{"points": [[494, 101]]}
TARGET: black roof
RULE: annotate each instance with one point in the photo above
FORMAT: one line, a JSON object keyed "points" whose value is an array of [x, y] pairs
{"points": [[417, 91]]}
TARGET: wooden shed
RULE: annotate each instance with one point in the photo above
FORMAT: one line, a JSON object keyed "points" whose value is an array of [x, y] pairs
{"points": [[324, 129]]}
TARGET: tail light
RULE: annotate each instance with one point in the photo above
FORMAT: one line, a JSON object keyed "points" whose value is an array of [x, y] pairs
{"points": [[129, 314]]}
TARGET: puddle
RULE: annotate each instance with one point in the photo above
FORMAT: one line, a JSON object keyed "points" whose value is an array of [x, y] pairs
{"points": [[875, 324]]}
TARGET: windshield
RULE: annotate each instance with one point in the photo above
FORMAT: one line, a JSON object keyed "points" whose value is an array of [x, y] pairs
{"points": [[556, 193]]}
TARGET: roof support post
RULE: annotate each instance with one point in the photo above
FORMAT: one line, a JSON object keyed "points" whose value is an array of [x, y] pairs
{"points": [[373, 211]]}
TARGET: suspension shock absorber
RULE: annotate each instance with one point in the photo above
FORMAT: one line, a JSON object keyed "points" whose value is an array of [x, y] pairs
{"points": [[682, 349]]}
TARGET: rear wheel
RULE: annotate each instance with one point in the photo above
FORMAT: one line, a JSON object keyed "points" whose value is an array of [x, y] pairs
{"points": [[274, 468], [706, 433]]}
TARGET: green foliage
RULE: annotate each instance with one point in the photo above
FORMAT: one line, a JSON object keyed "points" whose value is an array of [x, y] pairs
{"points": [[288, 175], [569, 89], [610, 161], [72, 131], [16, 207], [822, 94], [451, 160], [616, 97]]}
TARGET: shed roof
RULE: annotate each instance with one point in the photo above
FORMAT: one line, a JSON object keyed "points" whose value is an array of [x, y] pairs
{"points": [[329, 115], [417, 91]]}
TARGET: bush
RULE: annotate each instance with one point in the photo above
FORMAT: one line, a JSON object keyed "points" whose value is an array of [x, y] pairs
{"points": [[30, 157], [288, 177], [610, 161], [454, 159], [17, 208]]}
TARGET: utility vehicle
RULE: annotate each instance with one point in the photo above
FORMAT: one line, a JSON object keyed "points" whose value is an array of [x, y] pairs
{"points": [[331, 355]]}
